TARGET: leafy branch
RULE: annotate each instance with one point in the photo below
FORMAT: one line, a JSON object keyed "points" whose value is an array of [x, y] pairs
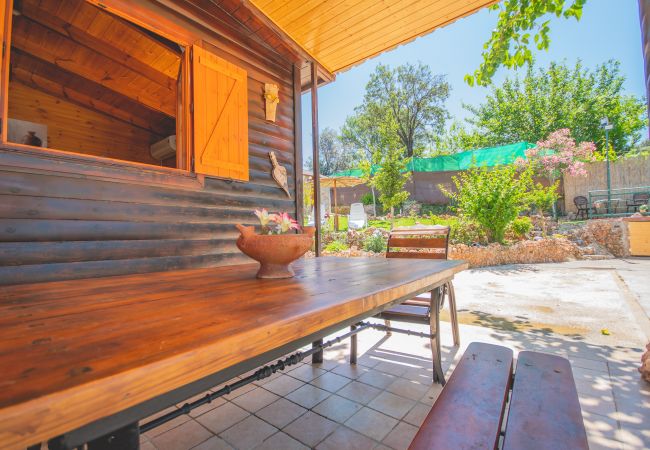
{"points": [[510, 43]]}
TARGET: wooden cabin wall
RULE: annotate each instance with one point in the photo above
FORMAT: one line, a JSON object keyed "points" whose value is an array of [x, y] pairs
{"points": [[62, 217], [81, 130]]}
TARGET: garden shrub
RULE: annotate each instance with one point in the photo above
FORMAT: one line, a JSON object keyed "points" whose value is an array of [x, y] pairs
{"points": [[542, 199], [374, 243], [427, 210], [520, 227], [491, 198], [336, 246], [411, 208], [366, 198]]}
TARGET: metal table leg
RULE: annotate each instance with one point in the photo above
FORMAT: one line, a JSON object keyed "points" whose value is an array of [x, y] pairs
{"points": [[434, 324]]}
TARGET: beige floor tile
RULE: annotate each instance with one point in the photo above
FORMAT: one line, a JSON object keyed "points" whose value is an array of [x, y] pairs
{"points": [[409, 389], [281, 412], [417, 414], [329, 364], [337, 408], [214, 443], [347, 439], [401, 436], [306, 372], [308, 396], [330, 381], [281, 441], [371, 423], [223, 417], [283, 385], [432, 394], [184, 436], [392, 367], [249, 433], [359, 392], [369, 360], [421, 376], [255, 400], [377, 379], [352, 371], [310, 428], [392, 405]]}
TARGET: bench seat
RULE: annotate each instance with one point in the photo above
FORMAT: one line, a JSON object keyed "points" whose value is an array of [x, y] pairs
{"points": [[541, 412]]}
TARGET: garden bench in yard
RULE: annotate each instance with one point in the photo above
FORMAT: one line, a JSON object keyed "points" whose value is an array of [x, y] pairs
{"points": [[538, 405]]}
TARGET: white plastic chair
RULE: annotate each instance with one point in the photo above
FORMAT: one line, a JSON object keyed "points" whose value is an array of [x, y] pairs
{"points": [[358, 217]]}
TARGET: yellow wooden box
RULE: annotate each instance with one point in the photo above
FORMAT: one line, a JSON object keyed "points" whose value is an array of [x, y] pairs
{"points": [[638, 229]]}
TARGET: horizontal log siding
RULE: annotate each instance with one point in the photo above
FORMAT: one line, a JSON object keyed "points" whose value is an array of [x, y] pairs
{"points": [[65, 218]]}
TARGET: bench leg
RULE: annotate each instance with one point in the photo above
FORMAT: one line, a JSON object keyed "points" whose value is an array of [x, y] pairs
{"points": [[451, 293], [317, 357], [434, 324], [387, 323], [353, 346]]}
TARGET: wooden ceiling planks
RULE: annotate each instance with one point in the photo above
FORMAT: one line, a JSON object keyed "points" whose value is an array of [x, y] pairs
{"points": [[53, 80], [343, 33], [105, 50]]}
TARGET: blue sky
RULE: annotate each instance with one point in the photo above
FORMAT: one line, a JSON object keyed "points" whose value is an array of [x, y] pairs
{"points": [[609, 29]]}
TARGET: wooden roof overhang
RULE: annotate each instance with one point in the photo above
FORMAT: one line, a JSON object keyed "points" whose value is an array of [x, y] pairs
{"points": [[340, 34]]}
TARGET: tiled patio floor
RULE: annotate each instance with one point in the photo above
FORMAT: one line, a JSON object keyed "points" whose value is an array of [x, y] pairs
{"points": [[380, 402]]}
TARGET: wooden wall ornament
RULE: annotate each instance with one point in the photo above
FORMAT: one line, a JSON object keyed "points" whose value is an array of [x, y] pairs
{"points": [[272, 99], [279, 174]]}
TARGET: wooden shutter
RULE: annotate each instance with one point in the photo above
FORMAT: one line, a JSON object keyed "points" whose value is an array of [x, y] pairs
{"points": [[220, 117], [6, 7]]}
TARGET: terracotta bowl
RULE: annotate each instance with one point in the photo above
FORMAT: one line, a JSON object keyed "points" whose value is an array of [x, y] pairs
{"points": [[274, 252]]}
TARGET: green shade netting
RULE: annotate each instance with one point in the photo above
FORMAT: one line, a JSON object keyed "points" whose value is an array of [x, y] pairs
{"points": [[483, 157]]}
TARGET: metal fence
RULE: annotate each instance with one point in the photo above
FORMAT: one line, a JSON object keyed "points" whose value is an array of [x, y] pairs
{"points": [[617, 202]]}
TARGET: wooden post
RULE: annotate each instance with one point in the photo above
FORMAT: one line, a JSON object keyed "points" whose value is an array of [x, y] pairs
{"points": [[297, 144], [317, 357], [315, 139], [336, 214]]}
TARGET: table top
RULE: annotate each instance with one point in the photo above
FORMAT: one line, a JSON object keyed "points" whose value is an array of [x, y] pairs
{"points": [[72, 352]]}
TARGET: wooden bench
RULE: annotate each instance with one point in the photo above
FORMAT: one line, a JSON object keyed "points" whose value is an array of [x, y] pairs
{"points": [[539, 404]]}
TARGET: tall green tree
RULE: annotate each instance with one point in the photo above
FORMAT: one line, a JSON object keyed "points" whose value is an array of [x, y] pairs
{"points": [[522, 24], [333, 155], [408, 101], [549, 99]]}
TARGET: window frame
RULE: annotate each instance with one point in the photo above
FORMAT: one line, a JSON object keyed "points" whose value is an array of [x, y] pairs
{"points": [[135, 13]]}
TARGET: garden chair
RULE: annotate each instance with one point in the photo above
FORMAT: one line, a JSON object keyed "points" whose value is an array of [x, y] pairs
{"points": [[358, 217], [582, 204], [638, 199], [421, 243]]}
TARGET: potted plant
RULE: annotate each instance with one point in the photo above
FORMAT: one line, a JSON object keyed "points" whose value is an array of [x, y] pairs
{"points": [[276, 247]]}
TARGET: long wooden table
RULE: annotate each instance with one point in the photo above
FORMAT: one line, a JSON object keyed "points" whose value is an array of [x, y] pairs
{"points": [[84, 357]]}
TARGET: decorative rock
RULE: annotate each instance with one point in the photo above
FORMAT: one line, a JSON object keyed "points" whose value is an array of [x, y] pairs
{"points": [[645, 364]]}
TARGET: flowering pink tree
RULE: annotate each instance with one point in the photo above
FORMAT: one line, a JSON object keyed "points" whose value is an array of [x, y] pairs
{"points": [[559, 155]]}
